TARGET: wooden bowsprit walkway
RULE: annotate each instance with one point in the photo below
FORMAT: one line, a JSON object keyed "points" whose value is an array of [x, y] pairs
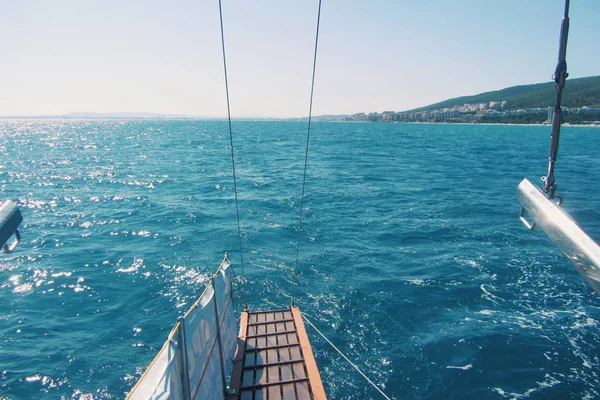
{"points": [[274, 359]]}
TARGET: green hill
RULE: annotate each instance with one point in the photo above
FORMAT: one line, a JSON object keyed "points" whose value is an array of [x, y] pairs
{"points": [[578, 92]]}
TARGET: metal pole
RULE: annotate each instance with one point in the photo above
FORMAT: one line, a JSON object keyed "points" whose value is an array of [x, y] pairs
{"points": [[185, 378], [218, 323], [560, 76]]}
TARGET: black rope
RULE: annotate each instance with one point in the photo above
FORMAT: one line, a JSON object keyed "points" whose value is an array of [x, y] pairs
{"points": [[312, 89], [237, 207], [560, 76]]}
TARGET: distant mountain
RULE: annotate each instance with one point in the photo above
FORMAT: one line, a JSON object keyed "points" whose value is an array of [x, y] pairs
{"points": [[578, 92]]}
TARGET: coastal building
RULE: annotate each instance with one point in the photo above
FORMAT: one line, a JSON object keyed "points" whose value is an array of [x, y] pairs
{"points": [[388, 116], [471, 113], [494, 105]]}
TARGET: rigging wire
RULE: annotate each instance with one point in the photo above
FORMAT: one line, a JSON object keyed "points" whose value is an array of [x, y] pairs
{"points": [[237, 207], [346, 358], [296, 269], [312, 90], [560, 75]]}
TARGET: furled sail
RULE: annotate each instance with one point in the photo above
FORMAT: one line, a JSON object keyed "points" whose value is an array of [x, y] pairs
{"points": [[195, 359]]}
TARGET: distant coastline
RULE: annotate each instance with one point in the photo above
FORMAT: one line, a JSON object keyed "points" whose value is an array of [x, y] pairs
{"points": [[522, 105], [517, 105], [62, 118], [488, 113], [257, 119]]}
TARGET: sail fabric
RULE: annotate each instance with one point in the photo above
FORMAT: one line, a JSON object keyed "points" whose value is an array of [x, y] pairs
{"points": [[163, 378], [198, 356], [222, 284], [202, 348]]}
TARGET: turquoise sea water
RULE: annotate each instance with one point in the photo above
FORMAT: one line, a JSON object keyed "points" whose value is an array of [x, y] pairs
{"points": [[413, 260]]}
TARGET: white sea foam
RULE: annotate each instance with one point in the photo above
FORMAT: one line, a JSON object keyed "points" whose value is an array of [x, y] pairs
{"points": [[548, 382], [464, 368]]}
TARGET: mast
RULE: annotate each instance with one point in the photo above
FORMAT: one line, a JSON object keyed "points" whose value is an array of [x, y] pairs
{"points": [[560, 76]]}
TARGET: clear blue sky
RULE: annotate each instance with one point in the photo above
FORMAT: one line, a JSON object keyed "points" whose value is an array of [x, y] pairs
{"points": [[156, 56]]}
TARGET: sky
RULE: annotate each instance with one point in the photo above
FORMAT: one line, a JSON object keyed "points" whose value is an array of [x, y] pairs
{"points": [[62, 56]]}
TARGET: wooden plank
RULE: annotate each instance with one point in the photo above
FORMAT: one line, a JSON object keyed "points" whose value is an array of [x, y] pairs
{"points": [[279, 363], [247, 395], [289, 326], [250, 359], [289, 393], [279, 327], [251, 330], [261, 357], [259, 394], [295, 354], [316, 384], [284, 354], [272, 356], [286, 372], [292, 338], [269, 346], [261, 342], [273, 320], [240, 352], [303, 391], [270, 334], [271, 342], [281, 339], [278, 354], [270, 311], [273, 374], [248, 378], [264, 385], [298, 370], [256, 330], [290, 373], [274, 392], [261, 376]]}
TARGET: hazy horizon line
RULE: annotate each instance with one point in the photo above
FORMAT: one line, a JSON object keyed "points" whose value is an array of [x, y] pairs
{"points": [[139, 115]]}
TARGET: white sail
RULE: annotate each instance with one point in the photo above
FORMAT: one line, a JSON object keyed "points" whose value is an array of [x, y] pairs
{"points": [[194, 361]]}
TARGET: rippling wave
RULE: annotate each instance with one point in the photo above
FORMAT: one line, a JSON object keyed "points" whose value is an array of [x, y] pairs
{"points": [[413, 260]]}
